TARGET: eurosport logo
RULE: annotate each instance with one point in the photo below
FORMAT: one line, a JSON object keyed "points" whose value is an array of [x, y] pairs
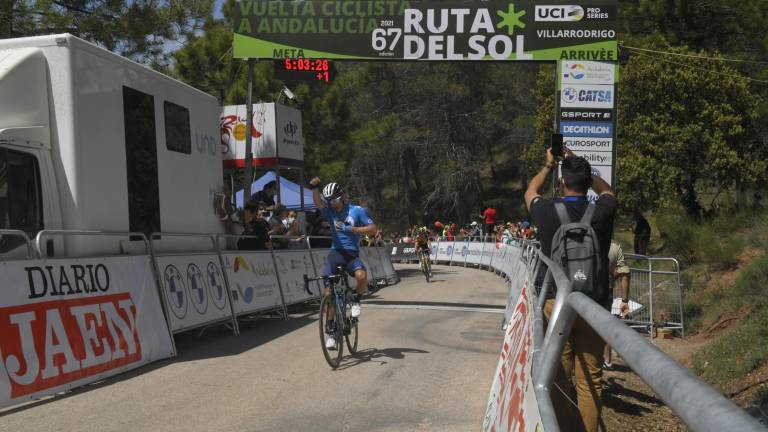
{"points": [[587, 129], [588, 144], [591, 96], [559, 13], [586, 115]]}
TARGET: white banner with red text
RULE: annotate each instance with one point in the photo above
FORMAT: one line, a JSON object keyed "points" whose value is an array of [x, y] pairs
{"points": [[69, 322]]}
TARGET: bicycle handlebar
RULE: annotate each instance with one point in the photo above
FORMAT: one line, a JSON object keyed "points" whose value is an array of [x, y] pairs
{"points": [[334, 278]]}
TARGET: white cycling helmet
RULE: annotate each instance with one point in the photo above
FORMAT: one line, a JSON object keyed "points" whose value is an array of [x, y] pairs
{"points": [[332, 191]]}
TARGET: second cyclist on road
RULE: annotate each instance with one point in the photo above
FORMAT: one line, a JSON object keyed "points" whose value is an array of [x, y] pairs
{"points": [[348, 223], [424, 247]]}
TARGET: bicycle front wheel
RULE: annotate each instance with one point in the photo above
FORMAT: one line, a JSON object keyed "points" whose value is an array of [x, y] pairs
{"points": [[336, 331]]}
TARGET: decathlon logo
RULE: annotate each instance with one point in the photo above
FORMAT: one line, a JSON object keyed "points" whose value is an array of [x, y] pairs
{"points": [[559, 13], [587, 129]]}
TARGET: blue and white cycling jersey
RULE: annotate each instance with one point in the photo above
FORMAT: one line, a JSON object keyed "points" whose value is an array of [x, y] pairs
{"points": [[353, 215]]}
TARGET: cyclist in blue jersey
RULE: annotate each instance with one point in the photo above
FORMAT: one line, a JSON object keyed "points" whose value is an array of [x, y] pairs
{"points": [[348, 223]]}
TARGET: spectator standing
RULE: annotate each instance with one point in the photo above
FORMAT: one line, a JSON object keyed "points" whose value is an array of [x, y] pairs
{"points": [[642, 234], [276, 226], [474, 230], [618, 271], [256, 228], [583, 352], [266, 196], [489, 218]]}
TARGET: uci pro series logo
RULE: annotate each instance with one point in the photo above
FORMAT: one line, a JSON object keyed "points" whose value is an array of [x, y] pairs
{"points": [[559, 13]]}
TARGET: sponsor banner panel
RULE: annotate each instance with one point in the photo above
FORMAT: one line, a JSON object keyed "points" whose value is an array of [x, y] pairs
{"points": [[588, 144], [252, 281], [488, 251], [587, 72], [428, 30], [292, 265], [596, 158], [195, 289], [277, 129], [372, 263], [586, 129], [386, 261], [474, 252], [445, 250], [69, 322], [512, 403], [319, 256], [586, 115], [587, 96]]}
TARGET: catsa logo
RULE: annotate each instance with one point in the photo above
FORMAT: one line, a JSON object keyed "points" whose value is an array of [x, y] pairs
{"points": [[559, 13]]}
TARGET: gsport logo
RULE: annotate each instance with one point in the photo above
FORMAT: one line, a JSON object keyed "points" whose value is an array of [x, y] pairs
{"points": [[559, 13]]}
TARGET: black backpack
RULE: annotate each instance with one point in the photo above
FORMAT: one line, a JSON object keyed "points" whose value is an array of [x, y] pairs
{"points": [[575, 247]]}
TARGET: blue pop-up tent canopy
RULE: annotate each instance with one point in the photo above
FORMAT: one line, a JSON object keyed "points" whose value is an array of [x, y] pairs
{"points": [[290, 194]]}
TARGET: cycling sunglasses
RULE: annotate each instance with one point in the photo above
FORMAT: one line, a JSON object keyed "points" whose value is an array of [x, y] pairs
{"points": [[335, 201]]}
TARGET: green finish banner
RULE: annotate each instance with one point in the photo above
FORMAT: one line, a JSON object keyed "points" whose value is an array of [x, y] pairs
{"points": [[426, 30]]}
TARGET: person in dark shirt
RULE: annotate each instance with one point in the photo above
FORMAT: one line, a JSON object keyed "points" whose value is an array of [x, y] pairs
{"points": [[256, 228], [642, 234], [266, 196], [583, 353]]}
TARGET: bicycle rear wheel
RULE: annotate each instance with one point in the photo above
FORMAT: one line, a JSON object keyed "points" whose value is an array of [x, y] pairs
{"points": [[425, 267], [332, 357]]}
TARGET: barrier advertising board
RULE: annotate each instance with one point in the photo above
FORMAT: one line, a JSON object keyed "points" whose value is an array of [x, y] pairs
{"points": [[426, 30], [68, 322], [445, 251], [292, 265], [512, 403], [252, 281], [194, 288], [474, 252]]}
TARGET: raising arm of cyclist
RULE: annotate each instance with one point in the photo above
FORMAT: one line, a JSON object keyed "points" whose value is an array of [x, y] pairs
{"points": [[315, 183]]}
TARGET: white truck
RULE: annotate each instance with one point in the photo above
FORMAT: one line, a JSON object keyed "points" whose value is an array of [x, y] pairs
{"points": [[92, 141]]}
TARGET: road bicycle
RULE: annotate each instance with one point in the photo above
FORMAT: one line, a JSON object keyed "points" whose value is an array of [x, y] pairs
{"points": [[425, 264], [343, 325]]}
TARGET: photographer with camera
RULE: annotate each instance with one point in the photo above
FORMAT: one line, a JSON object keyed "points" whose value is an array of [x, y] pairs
{"points": [[583, 352]]}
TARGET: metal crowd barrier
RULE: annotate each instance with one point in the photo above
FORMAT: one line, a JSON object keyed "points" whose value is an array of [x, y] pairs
{"points": [[697, 404], [655, 284], [380, 271]]}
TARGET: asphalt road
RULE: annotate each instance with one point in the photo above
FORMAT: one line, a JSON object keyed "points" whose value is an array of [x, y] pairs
{"points": [[427, 357]]}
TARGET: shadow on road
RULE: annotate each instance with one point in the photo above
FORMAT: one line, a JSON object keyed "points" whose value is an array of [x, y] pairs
{"points": [[378, 356]]}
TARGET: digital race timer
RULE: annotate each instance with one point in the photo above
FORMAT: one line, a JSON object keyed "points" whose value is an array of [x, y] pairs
{"points": [[304, 69]]}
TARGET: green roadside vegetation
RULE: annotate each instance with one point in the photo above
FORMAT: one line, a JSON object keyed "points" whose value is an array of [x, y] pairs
{"points": [[724, 263]]}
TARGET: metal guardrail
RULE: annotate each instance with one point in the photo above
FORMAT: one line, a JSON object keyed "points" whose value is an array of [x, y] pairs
{"points": [[22, 234], [87, 233], [697, 404]]}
